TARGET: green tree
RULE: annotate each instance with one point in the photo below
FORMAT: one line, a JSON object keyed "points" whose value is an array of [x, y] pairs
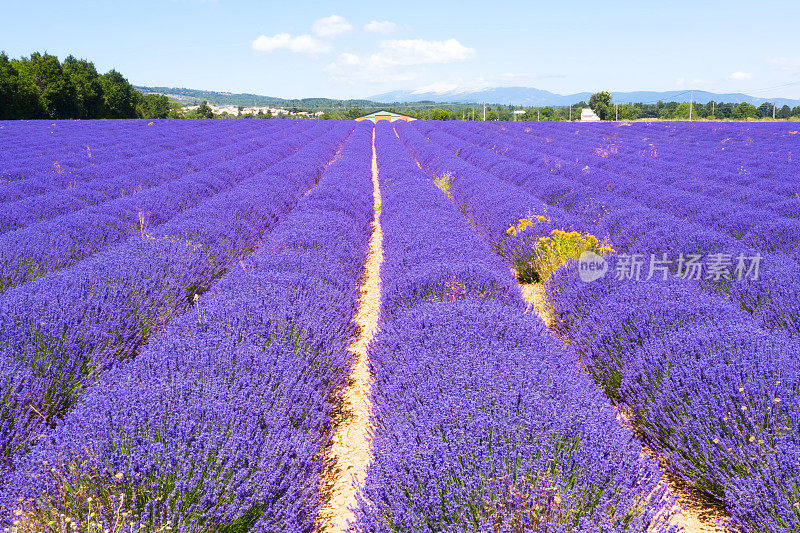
{"points": [[119, 96], [57, 95], [88, 89], [600, 103], [153, 106], [204, 111], [629, 112], [784, 112], [682, 111], [765, 110], [17, 98], [796, 111], [438, 114], [744, 111], [354, 112]]}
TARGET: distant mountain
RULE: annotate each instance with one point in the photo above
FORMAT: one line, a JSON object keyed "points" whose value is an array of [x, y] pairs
{"points": [[524, 96], [195, 96], [529, 96]]}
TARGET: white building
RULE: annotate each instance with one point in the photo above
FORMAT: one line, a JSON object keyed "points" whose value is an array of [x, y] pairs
{"points": [[587, 115]]}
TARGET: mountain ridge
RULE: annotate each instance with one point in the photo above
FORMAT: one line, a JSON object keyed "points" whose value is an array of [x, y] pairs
{"points": [[531, 96], [522, 96]]}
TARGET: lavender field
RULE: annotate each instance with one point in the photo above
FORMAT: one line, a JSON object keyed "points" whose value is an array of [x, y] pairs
{"points": [[323, 325]]}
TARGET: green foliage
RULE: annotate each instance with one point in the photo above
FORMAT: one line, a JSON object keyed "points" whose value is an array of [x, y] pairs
{"points": [[744, 111], [153, 106], [89, 90], [437, 114], [601, 104], [120, 97], [18, 96], [765, 110], [57, 96], [629, 112], [40, 86], [682, 111], [204, 111]]}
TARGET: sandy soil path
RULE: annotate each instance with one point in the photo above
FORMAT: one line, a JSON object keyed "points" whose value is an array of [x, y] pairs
{"points": [[350, 454]]}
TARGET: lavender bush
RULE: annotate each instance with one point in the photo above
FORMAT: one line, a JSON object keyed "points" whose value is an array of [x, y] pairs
{"points": [[221, 422]]}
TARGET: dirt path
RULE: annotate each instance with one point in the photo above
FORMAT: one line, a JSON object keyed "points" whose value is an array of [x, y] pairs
{"points": [[350, 452], [692, 514]]}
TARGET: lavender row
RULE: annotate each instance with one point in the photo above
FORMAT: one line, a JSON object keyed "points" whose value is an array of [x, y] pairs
{"points": [[709, 390], [471, 430], [152, 170], [755, 227], [63, 331], [714, 395], [765, 226], [753, 162], [772, 298], [221, 422], [51, 245], [489, 203], [33, 146], [26, 138], [92, 149]]}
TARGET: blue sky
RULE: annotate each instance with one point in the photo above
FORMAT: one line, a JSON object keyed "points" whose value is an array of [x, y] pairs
{"points": [[358, 48]]}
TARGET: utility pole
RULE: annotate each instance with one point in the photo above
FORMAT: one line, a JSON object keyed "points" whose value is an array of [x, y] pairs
{"points": [[616, 112], [570, 113], [773, 111], [484, 111], [691, 101], [713, 108], [537, 115]]}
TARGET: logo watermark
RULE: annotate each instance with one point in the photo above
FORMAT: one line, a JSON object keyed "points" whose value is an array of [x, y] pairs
{"points": [[638, 267], [591, 266]]}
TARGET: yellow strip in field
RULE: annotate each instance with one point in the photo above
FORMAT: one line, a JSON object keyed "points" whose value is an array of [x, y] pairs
{"points": [[350, 453]]}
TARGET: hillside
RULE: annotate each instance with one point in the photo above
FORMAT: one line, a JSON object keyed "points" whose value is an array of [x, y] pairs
{"points": [[194, 96]]}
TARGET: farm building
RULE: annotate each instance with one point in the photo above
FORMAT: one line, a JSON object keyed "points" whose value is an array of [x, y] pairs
{"points": [[587, 115], [385, 115]]}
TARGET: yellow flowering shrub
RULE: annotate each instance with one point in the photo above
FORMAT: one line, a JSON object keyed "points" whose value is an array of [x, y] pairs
{"points": [[526, 223], [444, 182], [536, 259]]}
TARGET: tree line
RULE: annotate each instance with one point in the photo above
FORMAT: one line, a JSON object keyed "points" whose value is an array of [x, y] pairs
{"points": [[602, 104], [42, 87]]}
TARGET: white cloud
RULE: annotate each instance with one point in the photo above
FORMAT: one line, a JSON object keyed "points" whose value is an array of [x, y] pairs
{"points": [[421, 52], [785, 63], [397, 60], [385, 27], [304, 44], [331, 26], [741, 76]]}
